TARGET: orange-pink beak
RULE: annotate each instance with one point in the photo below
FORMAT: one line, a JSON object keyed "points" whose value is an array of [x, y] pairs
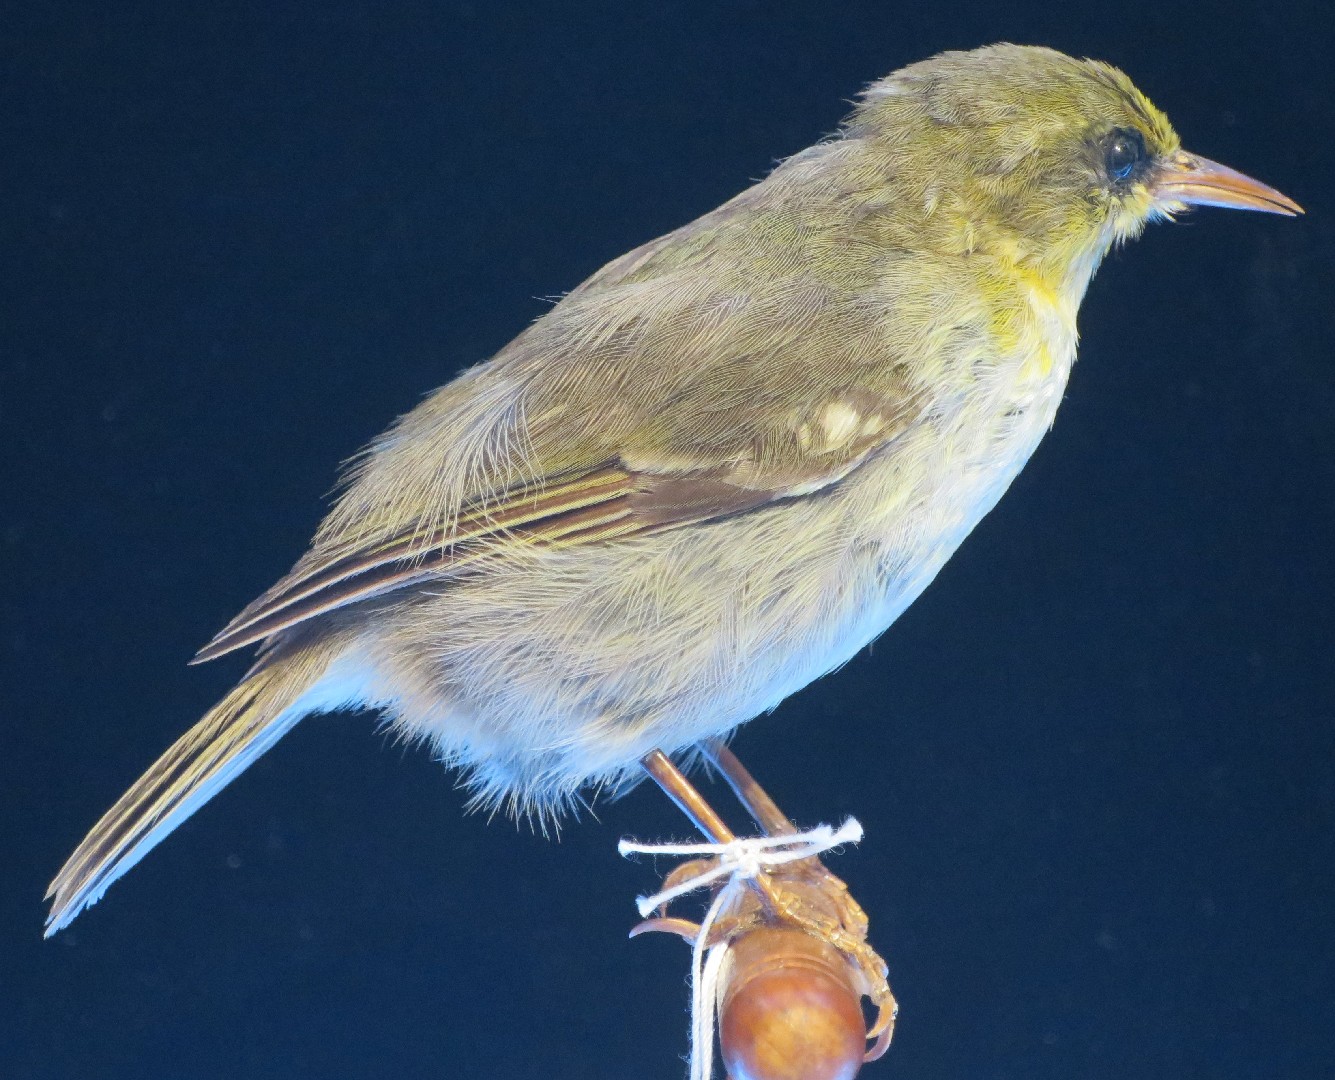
{"points": [[1198, 181]]}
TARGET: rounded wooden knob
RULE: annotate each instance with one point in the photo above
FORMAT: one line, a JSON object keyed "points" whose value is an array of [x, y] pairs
{"points": [[789, 1010]]}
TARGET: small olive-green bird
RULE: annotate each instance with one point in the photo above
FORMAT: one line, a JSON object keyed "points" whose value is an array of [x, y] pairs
{"points": [[716, 469]]}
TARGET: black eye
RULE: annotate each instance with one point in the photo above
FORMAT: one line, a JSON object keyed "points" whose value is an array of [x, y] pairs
{"points": [[1125, 151]]}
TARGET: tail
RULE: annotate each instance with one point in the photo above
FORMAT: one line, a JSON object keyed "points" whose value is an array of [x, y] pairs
{"points": [[266, 705]]}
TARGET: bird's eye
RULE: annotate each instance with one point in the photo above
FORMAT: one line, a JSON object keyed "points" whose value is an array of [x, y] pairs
{"points": [[1125, 150]]}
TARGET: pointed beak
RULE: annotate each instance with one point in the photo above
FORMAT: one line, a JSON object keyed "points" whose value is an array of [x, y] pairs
{"points": [[1198, 181]]}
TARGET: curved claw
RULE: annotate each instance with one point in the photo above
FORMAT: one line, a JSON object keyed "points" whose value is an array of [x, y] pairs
{"points": [[882, 1031], [668, 925]]}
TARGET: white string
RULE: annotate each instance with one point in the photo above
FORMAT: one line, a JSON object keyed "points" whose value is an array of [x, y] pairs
{"points": [[740, 860]]}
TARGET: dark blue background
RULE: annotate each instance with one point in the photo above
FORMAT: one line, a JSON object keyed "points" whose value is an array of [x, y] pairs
{"points": [[1094, 761]]}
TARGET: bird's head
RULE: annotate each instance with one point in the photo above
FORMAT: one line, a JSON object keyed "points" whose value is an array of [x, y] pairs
{"points": [[1038, 156]]}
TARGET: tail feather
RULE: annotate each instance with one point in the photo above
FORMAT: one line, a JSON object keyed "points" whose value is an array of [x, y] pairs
{"points": [[233, 734]]}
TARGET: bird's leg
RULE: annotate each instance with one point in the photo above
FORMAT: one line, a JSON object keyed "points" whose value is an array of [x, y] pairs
{"points": [[777, 905], [801, 895], [689, 801], [749, 793], [817, 901], [850, 934], [705, 818], [775, 822]]}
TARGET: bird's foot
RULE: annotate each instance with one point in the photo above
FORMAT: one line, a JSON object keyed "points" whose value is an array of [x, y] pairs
{"points": [[790, 940], [802, 896]]}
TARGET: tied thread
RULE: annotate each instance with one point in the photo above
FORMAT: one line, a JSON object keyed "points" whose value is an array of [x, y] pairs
{"points": [[739, 861]]}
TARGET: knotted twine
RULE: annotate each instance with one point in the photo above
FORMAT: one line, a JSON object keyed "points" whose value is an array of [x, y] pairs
{"points": [[741, 860]]}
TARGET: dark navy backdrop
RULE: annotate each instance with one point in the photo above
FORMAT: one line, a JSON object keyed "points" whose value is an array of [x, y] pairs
{"points": [[1094, 761]]}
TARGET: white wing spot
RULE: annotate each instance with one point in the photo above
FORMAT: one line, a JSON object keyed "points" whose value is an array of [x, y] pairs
{"points": [[841, 422]]}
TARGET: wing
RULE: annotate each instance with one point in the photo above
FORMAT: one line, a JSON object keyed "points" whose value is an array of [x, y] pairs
{"points": [[706, 374], [603, 504]]}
